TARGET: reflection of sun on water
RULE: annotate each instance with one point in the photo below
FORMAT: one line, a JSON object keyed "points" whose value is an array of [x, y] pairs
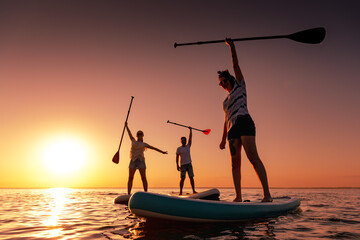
{"points": [[64, 155], [58, 200]]}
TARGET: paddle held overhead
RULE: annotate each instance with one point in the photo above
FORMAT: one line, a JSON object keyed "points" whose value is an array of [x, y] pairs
{"points": [[310, 36], [116, 157], [206, 131]]}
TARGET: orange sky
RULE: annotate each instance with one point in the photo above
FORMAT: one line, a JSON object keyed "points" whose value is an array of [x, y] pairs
{"points": [[68, 71]]}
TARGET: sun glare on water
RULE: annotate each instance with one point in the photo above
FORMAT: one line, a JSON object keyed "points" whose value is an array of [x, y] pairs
{"points": [[64, 155]]}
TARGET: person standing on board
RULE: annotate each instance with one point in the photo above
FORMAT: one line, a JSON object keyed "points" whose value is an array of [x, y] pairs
{"points": [[137, 158], [185, 162], [239, 128]]}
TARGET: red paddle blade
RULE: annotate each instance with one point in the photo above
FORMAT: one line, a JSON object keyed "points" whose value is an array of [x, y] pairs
{"points": [[206, 131], [116, 158]]}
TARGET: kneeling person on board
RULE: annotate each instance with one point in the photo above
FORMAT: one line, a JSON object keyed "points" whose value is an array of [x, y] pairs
{"points": [[137, 158], [184, 152]]}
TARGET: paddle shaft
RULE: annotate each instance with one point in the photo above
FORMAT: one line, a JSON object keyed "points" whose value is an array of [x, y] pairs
{"points": [[122, 135], [234, 40], [185, 126]]}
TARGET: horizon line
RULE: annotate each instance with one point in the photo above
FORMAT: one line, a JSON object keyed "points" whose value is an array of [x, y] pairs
{"points": [[178, 187]]}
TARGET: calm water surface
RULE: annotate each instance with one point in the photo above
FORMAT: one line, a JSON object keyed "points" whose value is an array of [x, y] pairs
{"points": [[91, 214]]}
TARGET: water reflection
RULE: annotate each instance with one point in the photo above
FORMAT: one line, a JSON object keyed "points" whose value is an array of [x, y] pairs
{"points": [[57, 200], [161, 229]]}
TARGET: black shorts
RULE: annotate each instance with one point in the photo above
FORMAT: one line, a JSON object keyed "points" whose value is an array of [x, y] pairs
{"points": [[244, 126]]}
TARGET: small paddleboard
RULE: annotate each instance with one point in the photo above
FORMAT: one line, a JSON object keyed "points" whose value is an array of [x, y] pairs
{"points": [[158, 206], [211, 194], [122, 199]]}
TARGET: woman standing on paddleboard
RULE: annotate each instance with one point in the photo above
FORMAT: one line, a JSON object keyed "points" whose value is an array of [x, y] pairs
{"points": [[239, 127], [137, 158]]}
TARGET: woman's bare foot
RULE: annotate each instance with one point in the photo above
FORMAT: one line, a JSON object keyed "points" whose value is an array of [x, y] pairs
{"points": [[267, 199], [237, 199]]}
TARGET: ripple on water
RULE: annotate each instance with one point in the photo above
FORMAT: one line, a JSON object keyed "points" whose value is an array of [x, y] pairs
{"points": [[91, 214], [343, 235]]}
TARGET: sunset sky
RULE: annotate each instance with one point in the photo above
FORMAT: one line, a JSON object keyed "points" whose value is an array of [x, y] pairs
{"points": [[68, 70]]}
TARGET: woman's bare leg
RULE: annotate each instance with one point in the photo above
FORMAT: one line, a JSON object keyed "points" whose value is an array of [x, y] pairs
{"points": [[235, 151], [143, 178], [251, 152], [131, 178]]}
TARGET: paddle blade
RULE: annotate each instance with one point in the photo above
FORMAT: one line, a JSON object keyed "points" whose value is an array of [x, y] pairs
{"points": [[116, 158], [207, 131], [311, 36]]}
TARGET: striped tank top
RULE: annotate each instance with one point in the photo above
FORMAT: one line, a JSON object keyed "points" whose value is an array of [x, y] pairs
{"points": [[235, 103]]}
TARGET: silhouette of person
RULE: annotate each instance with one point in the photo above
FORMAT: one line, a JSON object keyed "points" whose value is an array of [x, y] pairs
{"points": [[138, 147], [185, 162], [239, 128]]}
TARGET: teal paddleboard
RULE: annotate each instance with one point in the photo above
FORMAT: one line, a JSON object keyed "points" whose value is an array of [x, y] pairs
{"points": [[158, 206]]}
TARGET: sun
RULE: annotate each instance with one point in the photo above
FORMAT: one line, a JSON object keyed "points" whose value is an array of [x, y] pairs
{"points": [[64, 155]]}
